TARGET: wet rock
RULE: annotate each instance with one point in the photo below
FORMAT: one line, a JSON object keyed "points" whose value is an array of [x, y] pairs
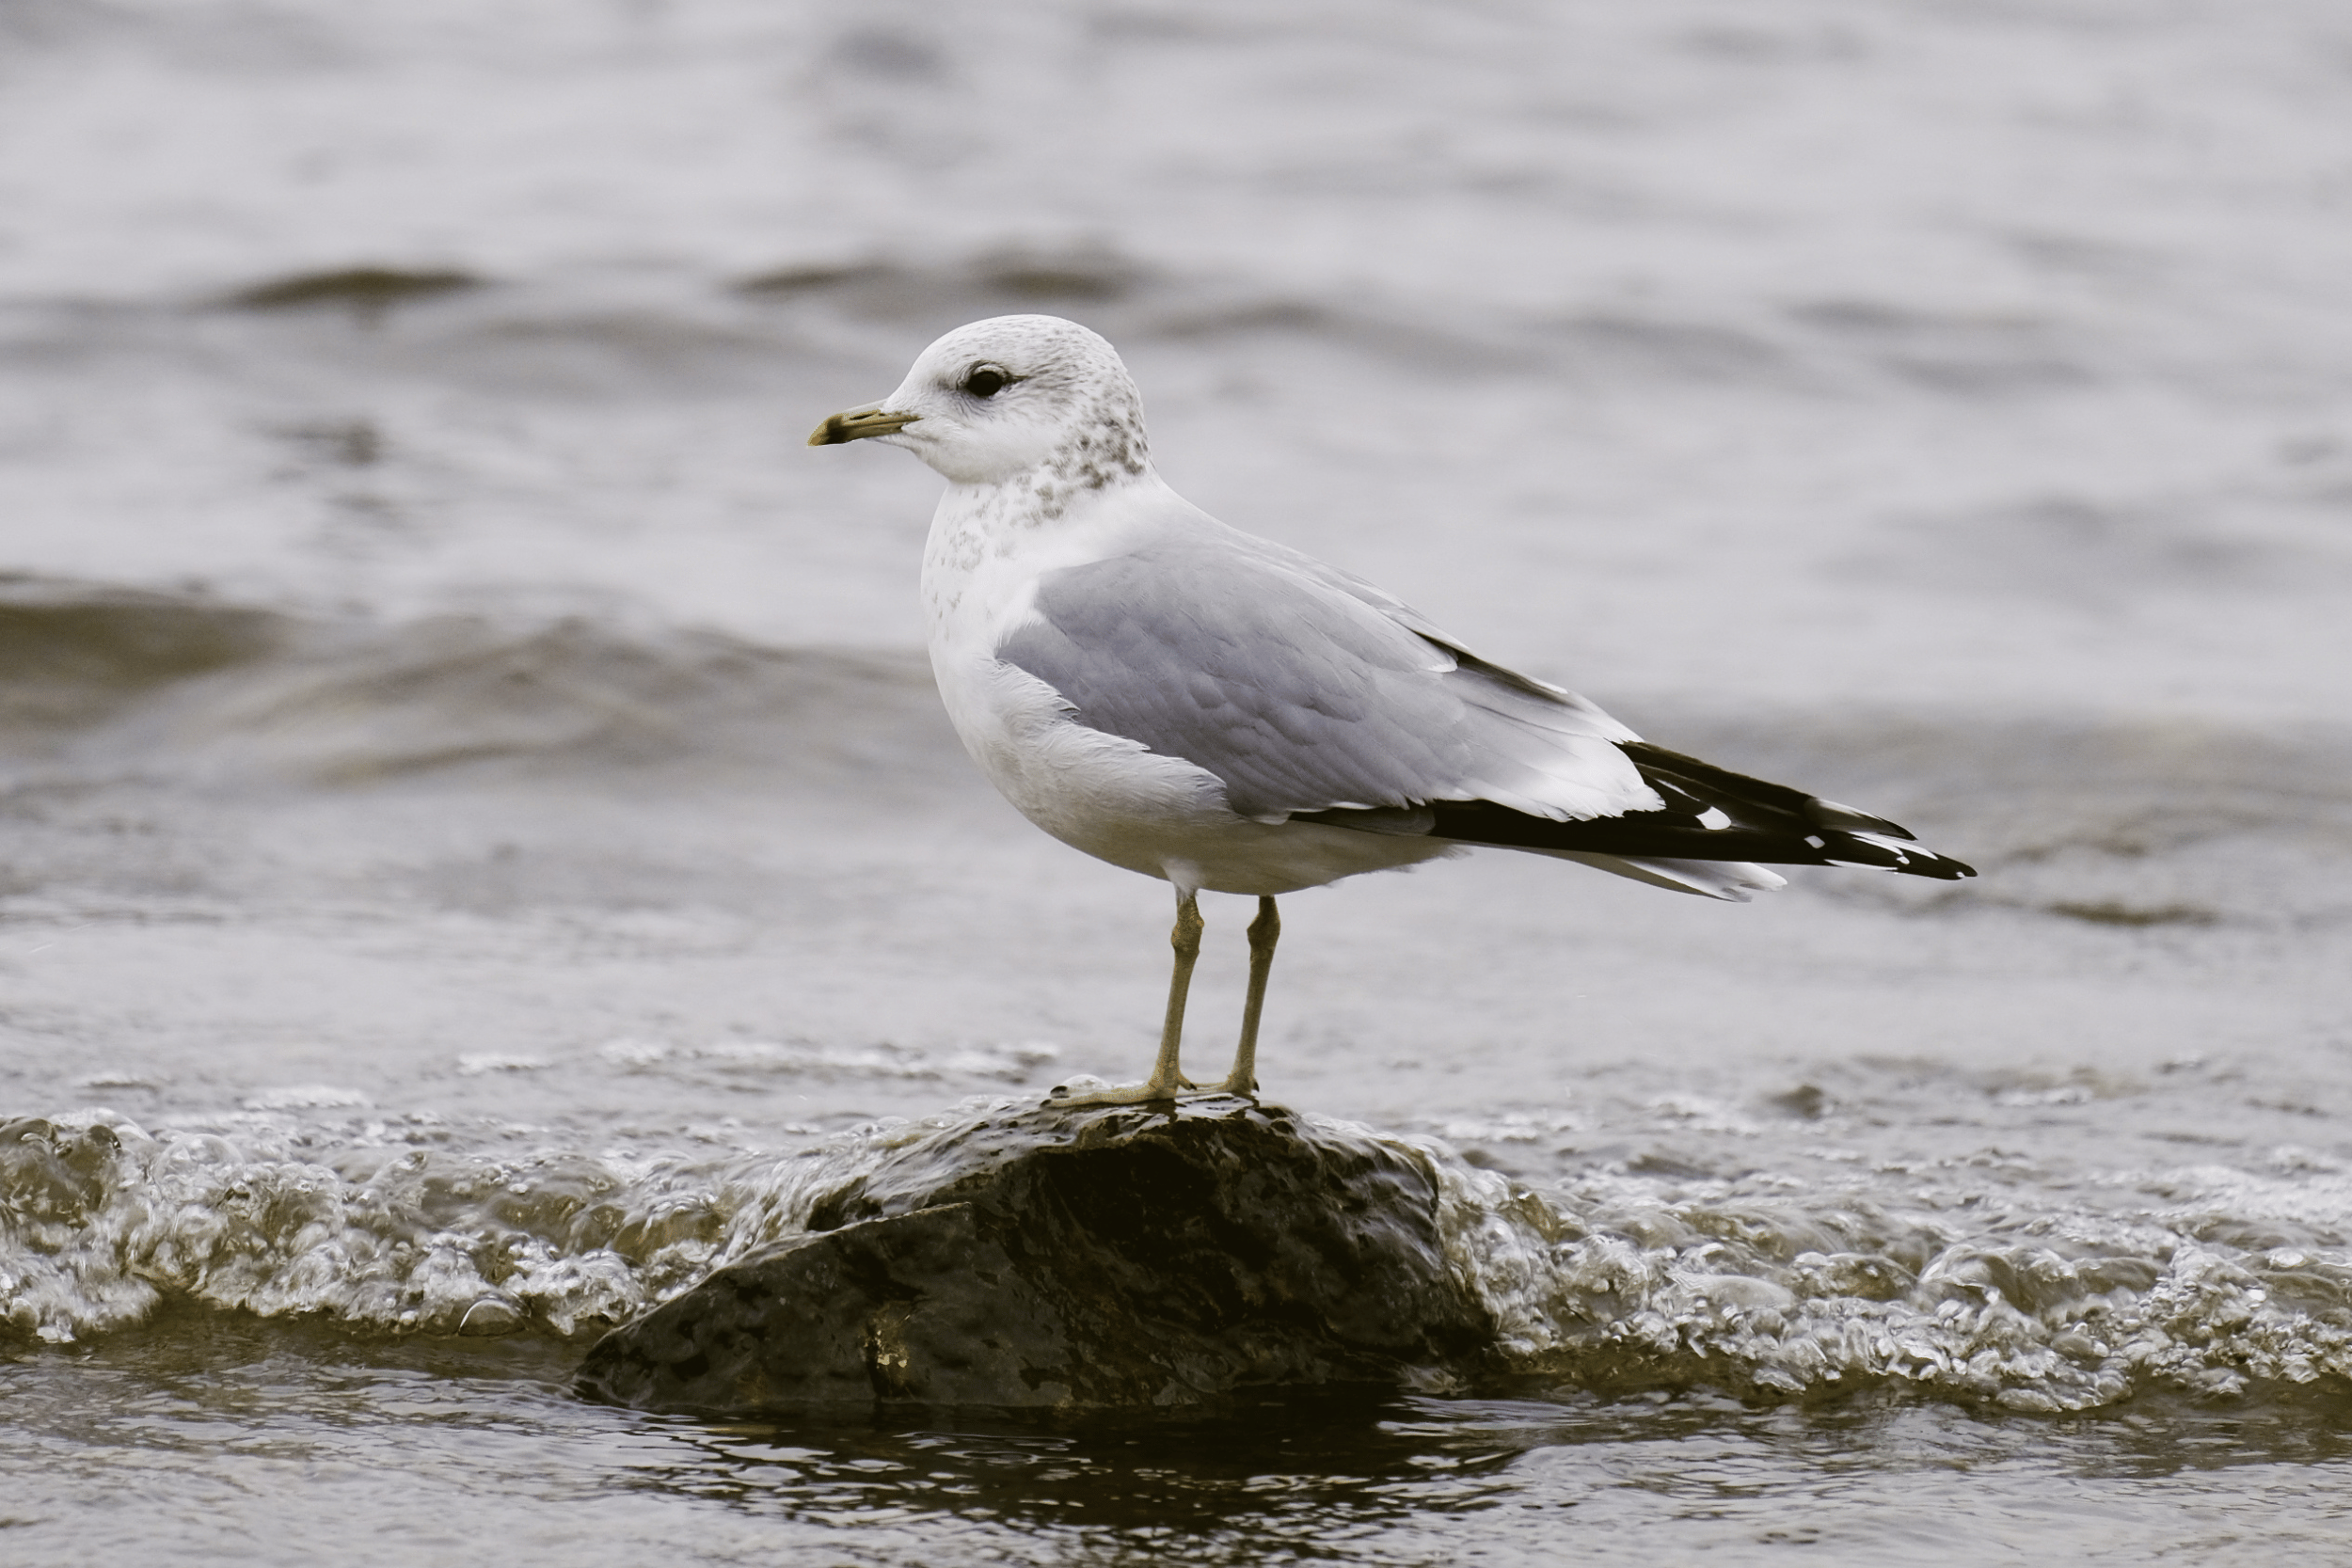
{"points": [[1087, 1259]]}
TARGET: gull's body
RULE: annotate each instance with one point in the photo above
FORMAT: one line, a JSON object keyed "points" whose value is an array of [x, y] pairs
{"points": [[1107, 794], [1190, 702]]}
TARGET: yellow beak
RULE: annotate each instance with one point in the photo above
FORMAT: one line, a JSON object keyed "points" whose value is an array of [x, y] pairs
{"points": [[856, 424]]}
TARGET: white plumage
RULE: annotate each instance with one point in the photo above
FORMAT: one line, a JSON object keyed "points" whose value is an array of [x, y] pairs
{"points": [[1176, 697]]}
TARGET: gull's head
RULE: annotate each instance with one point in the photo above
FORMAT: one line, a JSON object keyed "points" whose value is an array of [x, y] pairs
{"points": [[1010, 396]]}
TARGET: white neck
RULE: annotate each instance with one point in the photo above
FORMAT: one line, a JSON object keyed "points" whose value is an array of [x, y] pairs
{"points": [[989, 542]]}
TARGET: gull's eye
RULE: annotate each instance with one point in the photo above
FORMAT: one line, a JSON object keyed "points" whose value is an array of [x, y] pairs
{"points": [[986, 381]]}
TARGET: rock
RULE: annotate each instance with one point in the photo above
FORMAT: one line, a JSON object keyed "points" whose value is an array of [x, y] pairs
{"points": [[1097, 1258]]}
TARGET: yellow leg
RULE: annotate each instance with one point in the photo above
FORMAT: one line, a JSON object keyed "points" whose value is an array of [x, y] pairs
{"points": [[1166, 1077], [1263, 932]]}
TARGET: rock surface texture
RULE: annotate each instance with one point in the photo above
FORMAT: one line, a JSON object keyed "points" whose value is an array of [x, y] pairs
{"points": [[1100, 1257]]}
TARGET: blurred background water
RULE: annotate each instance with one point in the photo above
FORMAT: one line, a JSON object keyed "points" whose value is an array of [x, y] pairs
{"points": [[476, 833]]}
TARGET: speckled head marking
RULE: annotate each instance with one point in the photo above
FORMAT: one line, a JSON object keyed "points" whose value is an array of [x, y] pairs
{"points": [[1032, 401]]}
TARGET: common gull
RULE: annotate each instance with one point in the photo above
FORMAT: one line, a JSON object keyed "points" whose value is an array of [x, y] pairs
{"points": [[1187, 700]]}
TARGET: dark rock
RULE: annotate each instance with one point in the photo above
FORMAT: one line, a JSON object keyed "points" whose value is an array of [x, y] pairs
{"points": [[1087, 1259]]}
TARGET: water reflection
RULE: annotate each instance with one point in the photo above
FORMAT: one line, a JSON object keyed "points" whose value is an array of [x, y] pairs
{"points": [[1298, 1476], [235, 1419], [1281, 1479]]}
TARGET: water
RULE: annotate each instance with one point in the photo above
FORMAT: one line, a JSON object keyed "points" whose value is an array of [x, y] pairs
{"points": [[478, 848]]}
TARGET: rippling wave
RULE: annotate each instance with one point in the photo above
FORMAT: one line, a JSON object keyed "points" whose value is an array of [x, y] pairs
{"points": [[2106, 821], [380, 1224]]}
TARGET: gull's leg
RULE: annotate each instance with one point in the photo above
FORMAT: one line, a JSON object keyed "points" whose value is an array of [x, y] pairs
{"points": [[1186, 939], [1165, 1079], [1263, 932]]}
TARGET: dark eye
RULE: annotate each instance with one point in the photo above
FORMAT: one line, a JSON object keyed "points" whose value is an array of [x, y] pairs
{"points": [[986, 381]]}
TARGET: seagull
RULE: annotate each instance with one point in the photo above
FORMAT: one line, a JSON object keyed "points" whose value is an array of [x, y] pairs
{"points": [[1224, 713]]}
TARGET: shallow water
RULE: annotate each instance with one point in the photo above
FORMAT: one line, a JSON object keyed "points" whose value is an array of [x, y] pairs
{"points": [[478, 845], [411, 1451]]}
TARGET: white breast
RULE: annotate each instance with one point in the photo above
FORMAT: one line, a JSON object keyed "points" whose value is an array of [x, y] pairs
{"points": [[1101, 793]]}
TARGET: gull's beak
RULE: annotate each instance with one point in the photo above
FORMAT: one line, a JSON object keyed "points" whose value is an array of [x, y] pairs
{"points": [[856, 424]]}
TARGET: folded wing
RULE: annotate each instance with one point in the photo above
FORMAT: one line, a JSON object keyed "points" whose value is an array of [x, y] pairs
{"points": [[1315, 696], [1302, 694]]}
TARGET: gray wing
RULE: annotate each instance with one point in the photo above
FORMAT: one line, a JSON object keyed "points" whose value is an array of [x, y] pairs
{"points": [[1305, 689]]}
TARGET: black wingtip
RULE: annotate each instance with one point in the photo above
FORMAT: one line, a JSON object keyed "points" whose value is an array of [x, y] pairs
{"points": [[1750, 834], [1759, 820], [1709, 814], [1830, 813], [1871, 849]]}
